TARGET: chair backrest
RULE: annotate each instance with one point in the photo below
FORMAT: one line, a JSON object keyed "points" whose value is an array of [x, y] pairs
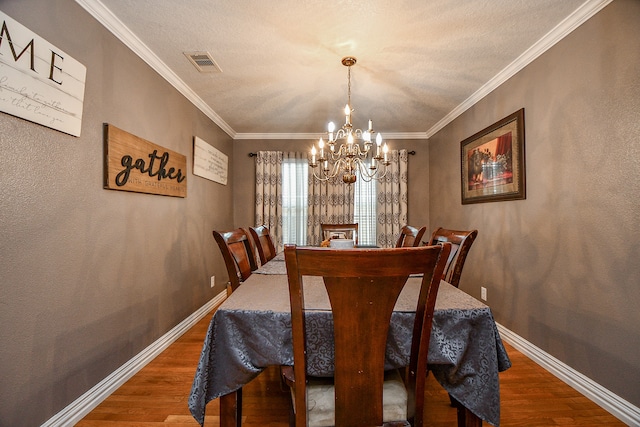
{"points": [[410, 236], [238, 255], [461, 242], [264, 243], [349, 230], [362, 300]]}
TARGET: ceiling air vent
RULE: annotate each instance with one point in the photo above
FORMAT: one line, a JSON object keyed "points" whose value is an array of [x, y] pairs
{"points": [[203, 62]]}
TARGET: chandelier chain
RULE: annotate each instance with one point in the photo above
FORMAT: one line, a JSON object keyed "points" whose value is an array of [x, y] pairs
{"points": [[349, 86]]}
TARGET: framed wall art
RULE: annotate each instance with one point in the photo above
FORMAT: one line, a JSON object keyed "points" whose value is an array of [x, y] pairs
{"points": [[492, 160]]}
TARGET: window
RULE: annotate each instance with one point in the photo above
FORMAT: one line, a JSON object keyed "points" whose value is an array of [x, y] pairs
{"points": [[295, 204], [365, 211], [294, 201]]}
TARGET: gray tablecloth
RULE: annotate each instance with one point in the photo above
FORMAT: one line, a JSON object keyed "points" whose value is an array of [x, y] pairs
{"points": [[252, 330]]}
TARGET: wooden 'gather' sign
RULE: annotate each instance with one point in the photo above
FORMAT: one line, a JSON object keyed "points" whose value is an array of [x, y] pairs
{"points": [[135, 164]]}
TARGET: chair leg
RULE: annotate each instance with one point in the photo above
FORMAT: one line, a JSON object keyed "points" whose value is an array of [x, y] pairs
{"points": [[239, 409], [466, 418], [461, 413], [292, 417], [231, 409]]}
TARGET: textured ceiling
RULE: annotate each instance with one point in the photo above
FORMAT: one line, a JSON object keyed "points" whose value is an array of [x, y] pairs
{"points": [[419, 61]]}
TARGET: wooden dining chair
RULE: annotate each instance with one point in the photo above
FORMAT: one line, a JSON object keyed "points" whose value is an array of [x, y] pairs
{"points": [[238, 255], [410, 236], [461, 242], [349, 230], [362, 299], [264, 243]]}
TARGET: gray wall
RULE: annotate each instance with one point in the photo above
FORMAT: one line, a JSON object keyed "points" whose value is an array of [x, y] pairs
{"points": [[562, 267], [90, 277]]}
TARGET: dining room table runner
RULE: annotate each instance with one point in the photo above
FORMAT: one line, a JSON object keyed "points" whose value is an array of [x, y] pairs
{"points": [[252, 330]]}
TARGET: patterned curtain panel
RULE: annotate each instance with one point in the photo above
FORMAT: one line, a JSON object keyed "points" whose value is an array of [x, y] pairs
{"points": [[269, 194], [330, 202], [391, 207]]}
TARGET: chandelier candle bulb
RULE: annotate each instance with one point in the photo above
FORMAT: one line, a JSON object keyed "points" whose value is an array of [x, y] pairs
{"points": [[313, 155]]}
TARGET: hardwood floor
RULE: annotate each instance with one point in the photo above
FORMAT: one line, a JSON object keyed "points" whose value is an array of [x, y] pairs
{"points": [[158, 394]]}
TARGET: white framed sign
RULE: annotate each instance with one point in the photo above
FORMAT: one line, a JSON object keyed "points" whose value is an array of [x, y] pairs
{"points": [[38, 81], [209, 162]]}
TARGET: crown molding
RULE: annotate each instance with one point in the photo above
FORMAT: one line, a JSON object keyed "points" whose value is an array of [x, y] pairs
{"points": [[258, 136], [560, 31], [313, 136]]}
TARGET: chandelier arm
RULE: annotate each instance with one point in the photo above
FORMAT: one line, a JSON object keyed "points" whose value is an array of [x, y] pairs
{"points": [[321, 179], [365, 175], [338, 154], [363, 154], [341, 133], [378, 173], [332, 172], [344, 151]]}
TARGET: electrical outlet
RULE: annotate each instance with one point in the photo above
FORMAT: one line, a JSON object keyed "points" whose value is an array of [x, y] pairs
{"points": [[213, 281], [483, 293]]}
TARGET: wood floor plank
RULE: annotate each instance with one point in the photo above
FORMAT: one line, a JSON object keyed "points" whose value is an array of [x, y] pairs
{"points": [[157, 396]]}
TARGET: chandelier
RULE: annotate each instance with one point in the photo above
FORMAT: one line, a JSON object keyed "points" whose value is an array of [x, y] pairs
{"points": [[342, 154]]}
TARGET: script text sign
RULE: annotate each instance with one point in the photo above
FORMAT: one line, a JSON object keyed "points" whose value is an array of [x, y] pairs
{"points": [[135, 164], [209, 162]]}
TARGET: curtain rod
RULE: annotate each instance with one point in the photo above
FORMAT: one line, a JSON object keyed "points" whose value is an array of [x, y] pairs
{"points": [[412, 152]]}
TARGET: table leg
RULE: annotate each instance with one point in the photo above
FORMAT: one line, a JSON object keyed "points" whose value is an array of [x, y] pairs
{"points": [[231, 409]]}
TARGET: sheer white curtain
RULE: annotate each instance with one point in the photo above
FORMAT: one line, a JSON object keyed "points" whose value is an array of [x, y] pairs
{"points": [[392, 200], [294, 198], [364, 211], [269, 194]]}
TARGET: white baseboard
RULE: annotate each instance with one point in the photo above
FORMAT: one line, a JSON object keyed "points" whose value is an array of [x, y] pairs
{"points": [[79, 408], [618, 407]]}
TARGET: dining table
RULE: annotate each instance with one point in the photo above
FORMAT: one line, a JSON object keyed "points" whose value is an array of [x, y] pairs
{"points": [[251, 330]]}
